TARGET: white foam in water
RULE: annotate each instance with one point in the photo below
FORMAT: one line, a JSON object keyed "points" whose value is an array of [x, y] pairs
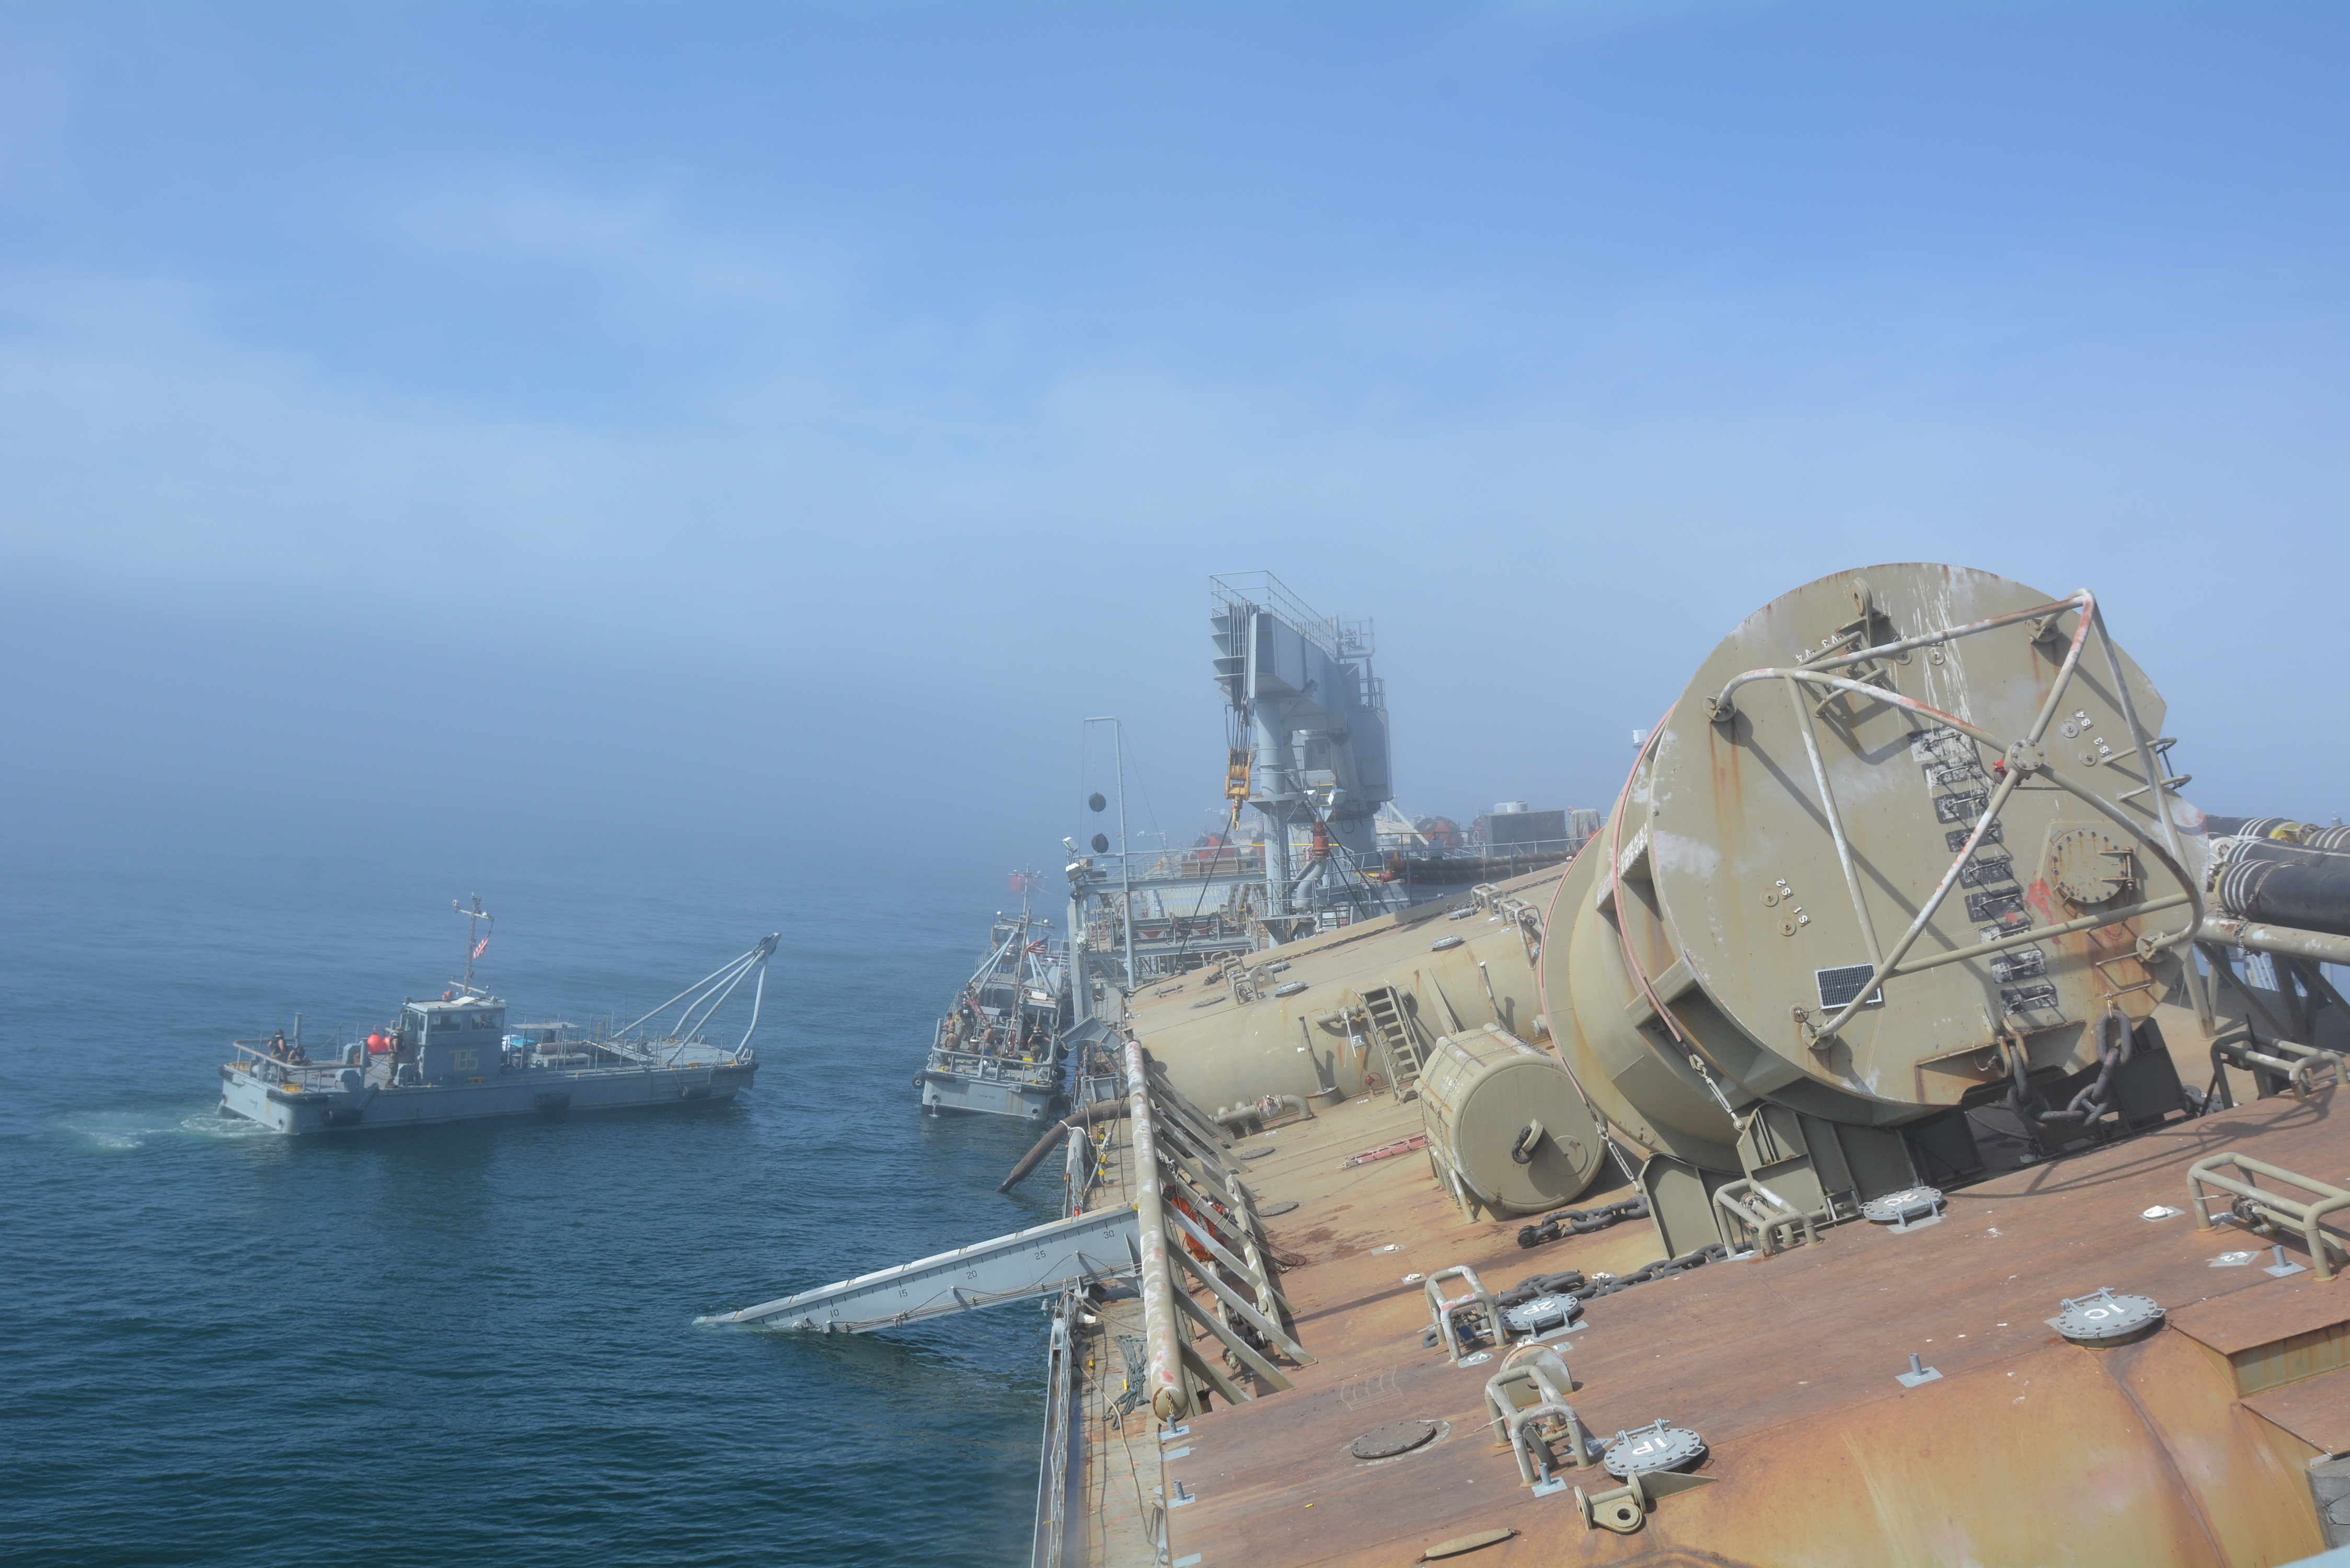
{"points": [[117, 1129], [218, 1124], [135, 1129]]}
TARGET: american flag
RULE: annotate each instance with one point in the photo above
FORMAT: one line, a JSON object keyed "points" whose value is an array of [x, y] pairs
{"points": [[481, 947]]}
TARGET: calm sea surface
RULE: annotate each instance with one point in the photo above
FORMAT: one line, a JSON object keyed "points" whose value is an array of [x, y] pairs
{"points": [[476, 1344]]}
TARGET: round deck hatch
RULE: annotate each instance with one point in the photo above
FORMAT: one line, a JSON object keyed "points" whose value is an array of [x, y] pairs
{"points": [[2106, 1318], [1657, 1448], [1386, 1442], [1542, 1313], [1896, 1208]]}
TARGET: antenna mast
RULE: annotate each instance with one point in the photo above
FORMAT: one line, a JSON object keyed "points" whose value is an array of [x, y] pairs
{"points": [[474, 917]]}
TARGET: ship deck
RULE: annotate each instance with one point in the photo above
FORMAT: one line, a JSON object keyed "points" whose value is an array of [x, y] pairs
{"points": [[1786, 1365]]}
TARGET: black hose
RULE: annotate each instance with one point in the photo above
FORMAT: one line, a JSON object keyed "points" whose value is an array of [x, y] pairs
{"points": [[2245, 826], [1107, 1111], [2293, 885]]}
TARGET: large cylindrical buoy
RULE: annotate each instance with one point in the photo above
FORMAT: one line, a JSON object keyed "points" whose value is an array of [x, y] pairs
{"points": [[1903, 841], [1506, 1129]]}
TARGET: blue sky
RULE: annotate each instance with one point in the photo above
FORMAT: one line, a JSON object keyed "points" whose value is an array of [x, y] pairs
{"points": [[729, 415]]}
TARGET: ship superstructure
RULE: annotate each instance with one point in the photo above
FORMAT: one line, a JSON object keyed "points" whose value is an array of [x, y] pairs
{"points": [[1313, 841]]}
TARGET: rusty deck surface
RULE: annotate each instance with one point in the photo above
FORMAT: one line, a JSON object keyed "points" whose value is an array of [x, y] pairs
{"points": [[2316, 1410], [2236, 1321], [1786, 1367], [1118, 1517]]}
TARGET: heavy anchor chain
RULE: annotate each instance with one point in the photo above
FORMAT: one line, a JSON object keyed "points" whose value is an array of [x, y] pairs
{"points": [[1581, 1221]]}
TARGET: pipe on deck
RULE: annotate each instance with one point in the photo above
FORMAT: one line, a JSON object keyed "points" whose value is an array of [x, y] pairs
{"points": [[1169, 1390], [1264, 1110], [2321, 946]]}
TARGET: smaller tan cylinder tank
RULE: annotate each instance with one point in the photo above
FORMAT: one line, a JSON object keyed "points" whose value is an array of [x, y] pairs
{"points": [[1506, 1129]]}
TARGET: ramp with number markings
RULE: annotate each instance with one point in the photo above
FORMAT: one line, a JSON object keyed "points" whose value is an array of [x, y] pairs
{"points": [[1037, 1261]]}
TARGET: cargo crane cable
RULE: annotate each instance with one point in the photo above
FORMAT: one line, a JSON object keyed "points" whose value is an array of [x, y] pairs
{"points": [[711, 991], [2024, 756], [1235, 730], [1232, 825]]}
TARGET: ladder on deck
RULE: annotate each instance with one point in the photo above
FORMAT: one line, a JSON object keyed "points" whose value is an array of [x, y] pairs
{"points": [[1383, 1004]]}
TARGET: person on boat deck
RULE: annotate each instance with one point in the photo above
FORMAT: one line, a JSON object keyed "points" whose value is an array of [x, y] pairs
{"points": [[277, 1045], [297, 1055]]}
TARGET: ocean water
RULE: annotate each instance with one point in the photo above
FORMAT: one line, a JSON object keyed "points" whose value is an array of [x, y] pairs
{"points": [[475, 1343]]}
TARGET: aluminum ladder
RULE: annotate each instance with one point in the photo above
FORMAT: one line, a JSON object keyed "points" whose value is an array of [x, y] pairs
{"points": [[1383, 1004]]}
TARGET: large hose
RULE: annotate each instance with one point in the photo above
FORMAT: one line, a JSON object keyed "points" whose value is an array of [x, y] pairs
{"points": [[2279, 829], [1105, 1111], [2280, 883]]}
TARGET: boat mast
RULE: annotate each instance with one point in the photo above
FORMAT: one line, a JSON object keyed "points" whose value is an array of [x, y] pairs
{"points": [[474, 916], [1125, 867]]}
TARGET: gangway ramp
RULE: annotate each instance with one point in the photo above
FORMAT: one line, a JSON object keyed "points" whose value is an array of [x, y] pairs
{"points": [[1041, 1260]]}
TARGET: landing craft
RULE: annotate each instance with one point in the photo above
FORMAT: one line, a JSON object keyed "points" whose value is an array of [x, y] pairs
{"points": [[1003, 1048], [457, 1058]]}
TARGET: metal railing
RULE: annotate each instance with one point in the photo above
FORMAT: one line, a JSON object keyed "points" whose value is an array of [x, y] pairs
{"points": [[578, 1055], [1182, 1184], [1475, 1301], [2305, 1215], [1478, 864], [277, 1070], [992, 1069], [1341, 639], [1060, 1456], [1772, 1221]]}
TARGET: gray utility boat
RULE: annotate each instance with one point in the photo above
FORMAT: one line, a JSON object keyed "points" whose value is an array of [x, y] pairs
{"points": [[456, 1060], [1001, 1052]]}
